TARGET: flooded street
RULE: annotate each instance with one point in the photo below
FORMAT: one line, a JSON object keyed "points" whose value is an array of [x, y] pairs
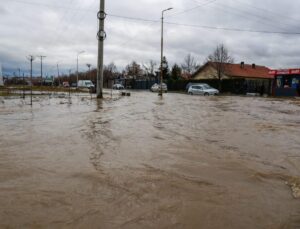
{"points": [[142, 162]]}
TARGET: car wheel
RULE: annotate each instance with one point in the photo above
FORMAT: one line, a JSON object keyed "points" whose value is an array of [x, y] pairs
{"points": [[190, 93], [206, 94]]}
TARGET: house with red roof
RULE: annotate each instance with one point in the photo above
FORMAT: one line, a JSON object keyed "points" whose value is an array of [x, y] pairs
{"points": [[254, 76], [233, 71]]}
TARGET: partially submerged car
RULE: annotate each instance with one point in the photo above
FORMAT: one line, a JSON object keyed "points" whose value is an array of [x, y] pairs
{"points": [[156, 87], [202, 89]]}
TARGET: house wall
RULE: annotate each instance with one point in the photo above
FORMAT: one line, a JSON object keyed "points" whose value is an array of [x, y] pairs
{"points": [[208, 73]]}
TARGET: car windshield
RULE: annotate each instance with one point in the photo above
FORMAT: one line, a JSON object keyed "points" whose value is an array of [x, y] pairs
{"points": [[206, 87]]}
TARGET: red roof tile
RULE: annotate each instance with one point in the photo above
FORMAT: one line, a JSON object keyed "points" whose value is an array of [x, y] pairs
{"points": [[248, 71]]}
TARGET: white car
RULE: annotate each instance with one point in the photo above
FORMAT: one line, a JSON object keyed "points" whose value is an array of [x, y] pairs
{"points": [[85, 84], [202, 89], [118, 87], [156, 87]]}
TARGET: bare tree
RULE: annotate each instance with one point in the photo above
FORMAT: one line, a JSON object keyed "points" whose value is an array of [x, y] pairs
{"points": [[134, 69], [220, 58], [111, 67], [109, 72], [150, 69], [189, 66], [152, 66]]}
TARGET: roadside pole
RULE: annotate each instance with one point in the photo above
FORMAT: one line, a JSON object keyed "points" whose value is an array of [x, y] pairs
{"points": [[101, 37], [70, 83], [160, 93], [31, 59], [23, 86], [42, 69], [58, 74]]}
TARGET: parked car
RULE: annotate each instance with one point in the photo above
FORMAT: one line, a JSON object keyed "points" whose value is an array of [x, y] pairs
{"points": [[73, 84], [202, 89], [118, 87], [156, 87], [191, 84]]}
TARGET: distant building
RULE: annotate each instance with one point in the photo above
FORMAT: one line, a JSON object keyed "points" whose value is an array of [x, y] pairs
{"points": [[287, 82], [233, 71], [255, 76], [1, 76]]}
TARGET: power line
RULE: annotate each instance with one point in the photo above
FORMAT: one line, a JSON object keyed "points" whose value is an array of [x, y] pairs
{"points": [[52, 6], [191, 9], [251, 15], [207, 27], [284, 16], [133, 18], [148, 20], [171, 23], [233, 29]]}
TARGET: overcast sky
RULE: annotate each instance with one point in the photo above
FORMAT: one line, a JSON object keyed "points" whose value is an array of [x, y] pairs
{"points": [[59, 29]]}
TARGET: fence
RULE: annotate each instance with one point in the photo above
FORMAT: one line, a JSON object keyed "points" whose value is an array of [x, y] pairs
{"points": [[234, 86]]}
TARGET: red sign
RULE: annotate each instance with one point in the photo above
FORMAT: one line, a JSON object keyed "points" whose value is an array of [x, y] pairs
{"points": [[285, 72], [272, 72], [295, 71]]}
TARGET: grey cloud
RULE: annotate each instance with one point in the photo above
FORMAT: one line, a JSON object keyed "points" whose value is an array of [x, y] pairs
{"points": [[59, 30]]}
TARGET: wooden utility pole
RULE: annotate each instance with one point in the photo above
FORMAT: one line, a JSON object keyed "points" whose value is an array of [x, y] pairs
{"points": [[101, 38]]}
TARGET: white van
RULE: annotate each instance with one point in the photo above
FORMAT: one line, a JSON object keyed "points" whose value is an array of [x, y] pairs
{"points": [[85, 84]]}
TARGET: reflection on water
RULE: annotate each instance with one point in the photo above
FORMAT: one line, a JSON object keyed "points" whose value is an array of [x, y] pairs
{"points": [[146, 162]]}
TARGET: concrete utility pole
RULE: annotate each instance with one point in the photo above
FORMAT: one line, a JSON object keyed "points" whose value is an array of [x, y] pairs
{"points": [[31, 59], [101, 37], [23, 85], [70, 70], [160, 93], [42, 68], [58, 74]]}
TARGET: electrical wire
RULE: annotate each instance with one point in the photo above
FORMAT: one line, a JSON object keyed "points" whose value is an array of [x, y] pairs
{"points": [[206, 27], [283, 16], [149, 20], [251, 15], [191, 9], [50, 5]]}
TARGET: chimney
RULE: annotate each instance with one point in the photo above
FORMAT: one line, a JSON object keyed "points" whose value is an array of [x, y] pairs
{"points": [[253, 66], [243, 64]]}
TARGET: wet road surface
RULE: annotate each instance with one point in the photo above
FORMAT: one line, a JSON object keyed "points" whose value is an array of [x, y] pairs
{"points": [[143, 162]]}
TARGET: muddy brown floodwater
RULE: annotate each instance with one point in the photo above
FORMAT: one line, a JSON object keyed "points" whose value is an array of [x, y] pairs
{"points": [[143, 162]]}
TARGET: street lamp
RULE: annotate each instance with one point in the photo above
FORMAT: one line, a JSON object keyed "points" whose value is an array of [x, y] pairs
{"points": [[77, 65], [89, 66], [160, 93]]}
